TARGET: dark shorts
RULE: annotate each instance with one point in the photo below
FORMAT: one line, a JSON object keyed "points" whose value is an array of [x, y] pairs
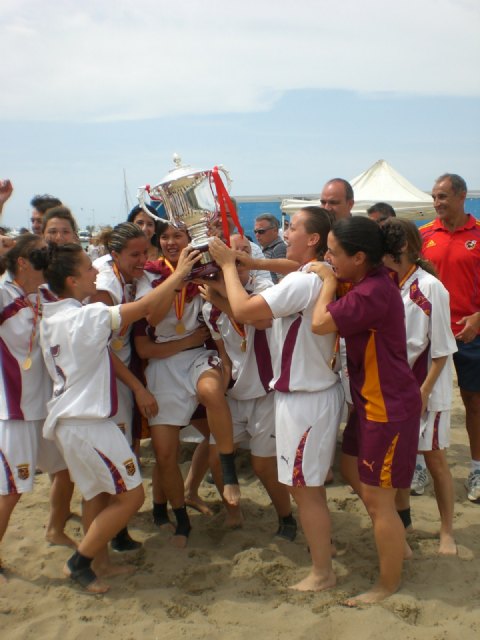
{"points": [[467, 364], [386, 451]]}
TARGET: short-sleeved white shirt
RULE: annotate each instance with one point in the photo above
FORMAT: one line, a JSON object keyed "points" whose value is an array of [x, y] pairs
{"points": [[301, 359], [74, 341], [427, 315], [165, 330], [24, 392], [120, 292]]}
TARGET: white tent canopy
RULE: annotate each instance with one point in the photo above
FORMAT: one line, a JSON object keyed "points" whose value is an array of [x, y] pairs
{"points": [[380, 183]]}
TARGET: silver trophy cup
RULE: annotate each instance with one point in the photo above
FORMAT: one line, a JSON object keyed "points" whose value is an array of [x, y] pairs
{"points": [[191, 200]]}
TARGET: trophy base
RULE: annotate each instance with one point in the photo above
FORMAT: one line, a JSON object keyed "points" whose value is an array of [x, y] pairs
{"points": [[208, 270], [205, 267]]}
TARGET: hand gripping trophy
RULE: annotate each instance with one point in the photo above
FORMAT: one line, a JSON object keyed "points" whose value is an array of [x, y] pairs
{"points": [[193, 200]]}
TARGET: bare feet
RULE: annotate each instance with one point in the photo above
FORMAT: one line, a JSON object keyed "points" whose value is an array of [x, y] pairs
{"points": [[195, 502], [375, 595], [87, 580], [60, 538], [447, 545], [234, 518], [231, 493], [179, 542], [315, 582]]}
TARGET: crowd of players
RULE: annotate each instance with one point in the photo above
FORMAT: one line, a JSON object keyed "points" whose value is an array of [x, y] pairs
{"points": [[361, 313]]}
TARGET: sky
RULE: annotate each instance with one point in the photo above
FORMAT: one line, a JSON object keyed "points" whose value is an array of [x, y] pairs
{"points": [[285, 94]]}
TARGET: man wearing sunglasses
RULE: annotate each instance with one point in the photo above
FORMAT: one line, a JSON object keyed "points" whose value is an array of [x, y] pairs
{"points": [[266, 234]]}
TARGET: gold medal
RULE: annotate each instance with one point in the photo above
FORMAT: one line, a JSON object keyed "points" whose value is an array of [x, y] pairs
{"points": [[27, 364], [243, 346], [333, 362], [117, 344], [180, 329]]}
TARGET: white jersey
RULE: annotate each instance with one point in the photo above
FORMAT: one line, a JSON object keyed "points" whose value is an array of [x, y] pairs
{"points": [[74, 340], [25, 390], [301, 359], [120, 292], [165, 330], [427, 316], [251, 369]]}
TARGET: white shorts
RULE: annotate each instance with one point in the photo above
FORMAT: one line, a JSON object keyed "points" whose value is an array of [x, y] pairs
{"points": [[306, 428], [124, 416], [18, 455], [434, 431], [254, 423], [173, 381], [98, 456], [22, 450]]}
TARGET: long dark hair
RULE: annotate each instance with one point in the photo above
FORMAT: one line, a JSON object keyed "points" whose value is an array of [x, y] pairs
{"points": [[318, 220], [356, 234], [23, 248], [399, 232], [57, 262]]}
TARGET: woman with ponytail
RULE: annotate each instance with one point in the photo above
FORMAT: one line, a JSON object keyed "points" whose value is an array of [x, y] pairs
{"points": [[430, 345], [75, 344], [381, 437], [118, 271], [26, 388]]}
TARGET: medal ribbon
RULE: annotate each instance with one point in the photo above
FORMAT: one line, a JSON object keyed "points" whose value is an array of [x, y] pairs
{"points": [[36, 314], [120, 279], [412, 269], [180, 297], [239, 328]]}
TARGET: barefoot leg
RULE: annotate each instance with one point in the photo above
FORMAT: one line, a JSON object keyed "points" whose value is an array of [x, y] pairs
{"points": [[437, 465], [315, 520]]}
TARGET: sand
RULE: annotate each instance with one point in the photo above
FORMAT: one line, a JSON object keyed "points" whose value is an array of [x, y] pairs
{"points": [[234, 584]]}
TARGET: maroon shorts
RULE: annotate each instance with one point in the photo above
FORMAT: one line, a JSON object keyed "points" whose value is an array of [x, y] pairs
{"points": [[386, 451]]}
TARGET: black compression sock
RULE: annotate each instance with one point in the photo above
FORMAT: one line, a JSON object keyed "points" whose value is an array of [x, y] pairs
{"points": [[405, 517], [229, 472], [287, 519], [183, 522], [160, 513], [78, 562]]}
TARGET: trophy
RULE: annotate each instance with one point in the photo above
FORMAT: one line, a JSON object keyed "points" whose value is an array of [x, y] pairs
{"points": [[193, 200]]}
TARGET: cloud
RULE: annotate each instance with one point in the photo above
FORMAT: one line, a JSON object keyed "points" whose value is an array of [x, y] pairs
{"points": [[132, 60]]}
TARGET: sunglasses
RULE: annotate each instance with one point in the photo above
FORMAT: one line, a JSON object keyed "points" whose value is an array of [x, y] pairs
{"points": [[260, 232]]}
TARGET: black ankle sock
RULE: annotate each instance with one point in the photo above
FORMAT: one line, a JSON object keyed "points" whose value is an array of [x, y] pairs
{"points": [[229, 472], [77, 562], [405, 517], [287, 519], [123, 533], [160, 513], [183, 521]]}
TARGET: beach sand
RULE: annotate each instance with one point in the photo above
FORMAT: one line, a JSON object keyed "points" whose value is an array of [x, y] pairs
{"points": [[234, 584]]}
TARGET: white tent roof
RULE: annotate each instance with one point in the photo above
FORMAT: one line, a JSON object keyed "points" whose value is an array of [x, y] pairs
{"points": [[381, 183]]}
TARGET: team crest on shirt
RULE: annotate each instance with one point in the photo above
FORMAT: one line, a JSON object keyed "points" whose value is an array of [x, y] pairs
{"points": [[130, 466], [23, 471], [470, 244]]}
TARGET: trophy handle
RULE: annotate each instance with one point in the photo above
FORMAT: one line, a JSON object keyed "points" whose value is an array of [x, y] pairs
{"points": [[142, 192], [226, 173]]}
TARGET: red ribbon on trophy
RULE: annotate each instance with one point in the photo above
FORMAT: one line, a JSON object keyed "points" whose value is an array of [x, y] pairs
{"points": [[224, 200]]}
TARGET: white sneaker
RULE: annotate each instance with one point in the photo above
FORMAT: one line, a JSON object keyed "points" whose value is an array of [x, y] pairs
{"points": [[472, 486], [419, 481]]}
